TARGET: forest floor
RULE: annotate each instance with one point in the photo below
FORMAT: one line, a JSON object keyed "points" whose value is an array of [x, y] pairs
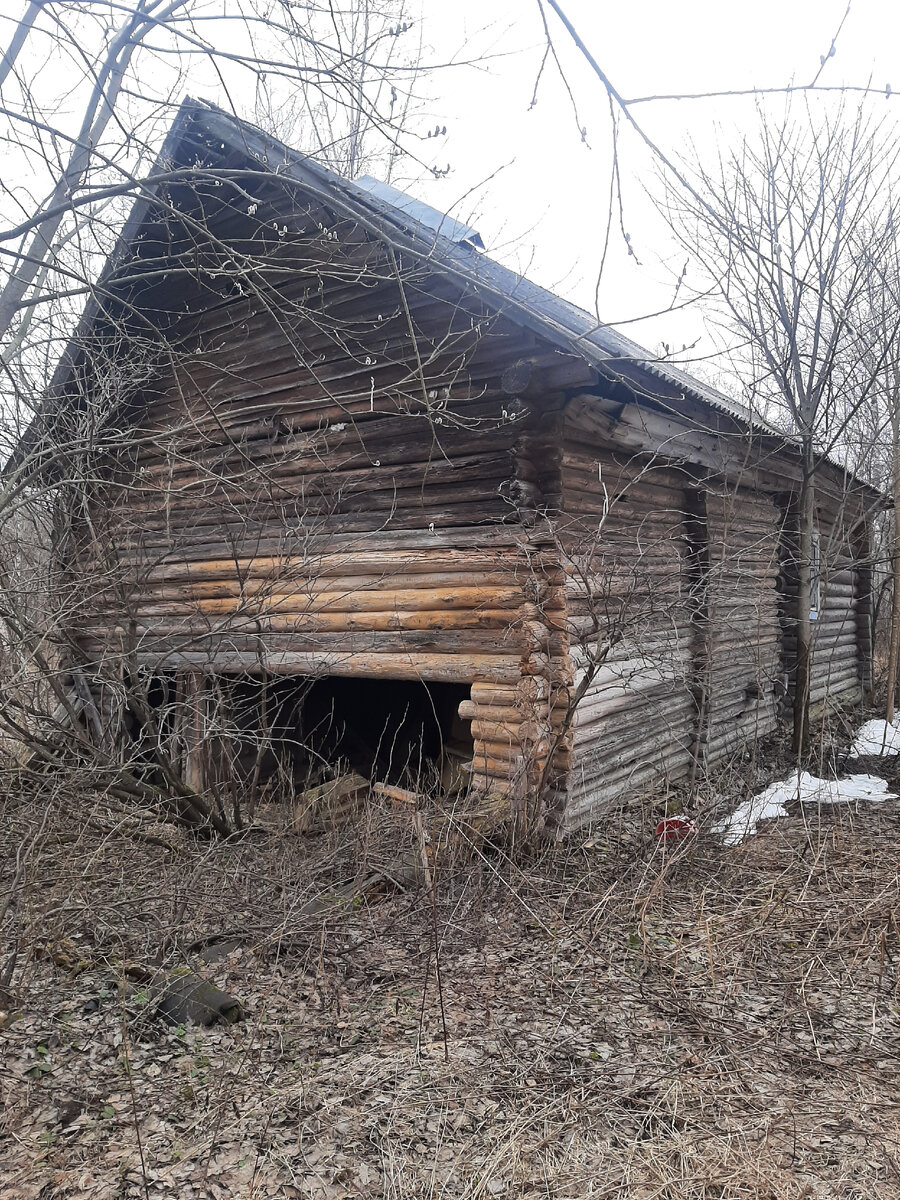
{"points": [[622, 1017]]}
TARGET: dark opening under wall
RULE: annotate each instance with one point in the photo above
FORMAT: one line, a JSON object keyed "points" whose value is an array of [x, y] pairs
{"points": [[291, 733], [391, 729]]}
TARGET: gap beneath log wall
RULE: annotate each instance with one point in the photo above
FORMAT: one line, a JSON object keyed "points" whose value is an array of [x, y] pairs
{"points": [[233, 735]]}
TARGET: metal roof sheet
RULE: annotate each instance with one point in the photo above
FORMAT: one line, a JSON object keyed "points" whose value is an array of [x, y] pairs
{"points": [[421, 213]]}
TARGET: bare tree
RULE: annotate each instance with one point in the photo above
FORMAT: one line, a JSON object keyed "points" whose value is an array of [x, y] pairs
{"points": [[350, 75], [360, 122], [774, 227]]}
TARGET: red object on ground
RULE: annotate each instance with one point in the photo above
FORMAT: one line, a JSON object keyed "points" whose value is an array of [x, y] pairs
{"points": [[673, 828]]}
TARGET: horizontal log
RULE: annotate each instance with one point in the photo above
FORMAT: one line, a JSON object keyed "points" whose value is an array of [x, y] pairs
{"points": [[450, 668], [251, 617], [247, 631], [511, 715], [739, 738], [362, 516], [485, 764], [488, 767], [290, 584], [488, 691], [364, 560], [496, 732], [409, 600], [502, 761], [310, 542]]}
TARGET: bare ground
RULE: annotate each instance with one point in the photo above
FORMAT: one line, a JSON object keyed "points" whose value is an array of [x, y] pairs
{"points": [[628, 1019]]}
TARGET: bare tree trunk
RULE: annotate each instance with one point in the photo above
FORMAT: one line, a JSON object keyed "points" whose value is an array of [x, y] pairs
{"points": [[895, 595], [99, 112], [24, 27], [805, 524]]}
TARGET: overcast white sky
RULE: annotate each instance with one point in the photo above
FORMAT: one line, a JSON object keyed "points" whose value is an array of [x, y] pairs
{"points": [[539, 194]]}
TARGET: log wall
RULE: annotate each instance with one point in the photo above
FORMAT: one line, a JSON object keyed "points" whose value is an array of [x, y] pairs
{"points": [[349, 500], [629, 617], [678, 607], [743, 645], [838, 650], [329, 475], [841, 657]]}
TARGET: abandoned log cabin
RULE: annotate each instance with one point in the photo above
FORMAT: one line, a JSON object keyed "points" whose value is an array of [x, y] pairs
{"points": [[323, 454]]}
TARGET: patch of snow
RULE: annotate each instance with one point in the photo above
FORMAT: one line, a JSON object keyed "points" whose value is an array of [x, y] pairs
{"points": [[854, 787], [743, 821], [806, 788], [876, 737]]}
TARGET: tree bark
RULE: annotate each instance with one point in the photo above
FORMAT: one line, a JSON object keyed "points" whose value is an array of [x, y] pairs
{"points": [[894, 653], [805, 526], [98, 113], [24, 27]]}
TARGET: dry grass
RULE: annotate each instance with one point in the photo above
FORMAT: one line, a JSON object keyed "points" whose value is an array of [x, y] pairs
{"points": [[626, 1021]]}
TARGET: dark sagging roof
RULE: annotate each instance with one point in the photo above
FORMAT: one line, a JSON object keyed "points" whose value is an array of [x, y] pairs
{"points": [[449, 245]]}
